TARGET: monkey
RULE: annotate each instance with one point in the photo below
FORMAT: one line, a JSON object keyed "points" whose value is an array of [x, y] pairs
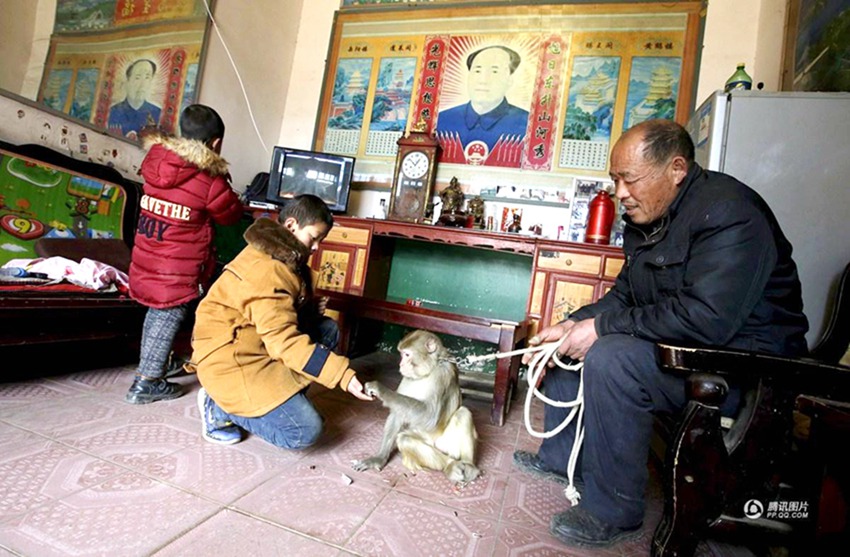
{"points": [[427, 422]]}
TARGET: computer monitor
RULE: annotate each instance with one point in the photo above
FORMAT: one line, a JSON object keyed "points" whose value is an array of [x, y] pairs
{"points": [[295, 172]]}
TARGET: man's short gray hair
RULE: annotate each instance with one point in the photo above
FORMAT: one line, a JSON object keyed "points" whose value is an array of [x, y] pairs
{"points": [[665, 139]]}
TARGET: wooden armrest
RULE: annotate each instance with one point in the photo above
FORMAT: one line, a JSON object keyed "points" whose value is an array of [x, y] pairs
{"points": [[804, 374]]}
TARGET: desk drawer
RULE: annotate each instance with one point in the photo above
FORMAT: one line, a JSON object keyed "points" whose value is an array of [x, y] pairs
{"points": [[613, 265], [569, 261], [348, 235]]}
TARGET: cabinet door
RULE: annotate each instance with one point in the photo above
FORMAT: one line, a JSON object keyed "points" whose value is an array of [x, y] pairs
{"points": [[604, 287], [335, 265], [613, 265], [566, 293]]}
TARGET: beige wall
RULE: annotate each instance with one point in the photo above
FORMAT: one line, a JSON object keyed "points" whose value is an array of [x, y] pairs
{"points": [[737, 31], [261, 36], [16, 33]]}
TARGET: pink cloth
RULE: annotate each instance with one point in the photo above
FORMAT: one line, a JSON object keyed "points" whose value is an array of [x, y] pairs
{"points": [[87, 273]]}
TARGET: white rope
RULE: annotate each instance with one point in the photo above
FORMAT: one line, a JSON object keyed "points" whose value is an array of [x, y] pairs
{"points": [[536, 367]]}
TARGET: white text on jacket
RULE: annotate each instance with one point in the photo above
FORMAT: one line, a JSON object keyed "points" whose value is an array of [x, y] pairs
{"points": [[165, 208]]}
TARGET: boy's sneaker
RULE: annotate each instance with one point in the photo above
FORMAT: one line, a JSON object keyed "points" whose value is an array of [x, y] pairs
{"points": [[145, 391], [215, 431]]}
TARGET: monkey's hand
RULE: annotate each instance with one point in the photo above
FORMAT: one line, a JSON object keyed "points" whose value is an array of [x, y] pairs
{"points": [[375, 389], [371, 463]]}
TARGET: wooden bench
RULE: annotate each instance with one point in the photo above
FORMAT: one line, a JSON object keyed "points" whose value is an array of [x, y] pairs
{"points": [[506, 334], [44, 324]]}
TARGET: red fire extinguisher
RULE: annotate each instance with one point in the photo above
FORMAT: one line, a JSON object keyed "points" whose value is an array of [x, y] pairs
{"points": [[600, 218]]}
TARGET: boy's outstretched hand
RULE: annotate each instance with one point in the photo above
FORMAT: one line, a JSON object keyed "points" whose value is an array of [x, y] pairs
{"points": [[355, 387]]}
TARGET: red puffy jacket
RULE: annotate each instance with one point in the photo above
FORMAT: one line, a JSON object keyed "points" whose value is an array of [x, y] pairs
{"points": [[185, 191]]}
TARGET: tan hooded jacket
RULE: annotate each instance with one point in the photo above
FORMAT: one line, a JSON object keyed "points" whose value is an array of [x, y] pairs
{"points": [[248, 351]]}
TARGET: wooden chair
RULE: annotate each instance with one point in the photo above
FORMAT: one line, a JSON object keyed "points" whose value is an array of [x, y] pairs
{"points": [[720, 481]]}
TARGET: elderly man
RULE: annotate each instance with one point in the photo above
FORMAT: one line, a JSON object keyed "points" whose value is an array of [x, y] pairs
{"points": [[706, 263], [487, 116]]}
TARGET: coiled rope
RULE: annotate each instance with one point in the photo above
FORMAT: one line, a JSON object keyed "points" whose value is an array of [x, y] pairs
{"points": [[544, 353]]}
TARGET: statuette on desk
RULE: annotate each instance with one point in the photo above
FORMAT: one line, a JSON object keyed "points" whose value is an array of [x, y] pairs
{"points": [[475, 207], [451, 213]]}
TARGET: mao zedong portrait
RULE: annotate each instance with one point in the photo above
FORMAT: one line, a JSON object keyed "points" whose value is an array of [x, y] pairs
{"points": [[135, 111], [488, 116]]}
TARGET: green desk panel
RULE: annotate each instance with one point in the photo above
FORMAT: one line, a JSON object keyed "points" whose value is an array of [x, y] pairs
{"points": [[465, 280]]}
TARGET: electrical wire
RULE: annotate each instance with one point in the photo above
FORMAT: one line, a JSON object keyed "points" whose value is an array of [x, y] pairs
{"points": [[238, 77]]}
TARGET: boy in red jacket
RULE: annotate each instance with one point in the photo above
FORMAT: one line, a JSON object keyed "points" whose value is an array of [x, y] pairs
{"points": [[186, 190]]}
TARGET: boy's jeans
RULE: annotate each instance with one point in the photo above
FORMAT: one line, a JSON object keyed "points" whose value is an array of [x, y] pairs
{"points": [[295, 424]]}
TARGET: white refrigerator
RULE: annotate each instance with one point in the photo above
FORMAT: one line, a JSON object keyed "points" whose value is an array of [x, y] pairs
{"points": [[794, 149]]}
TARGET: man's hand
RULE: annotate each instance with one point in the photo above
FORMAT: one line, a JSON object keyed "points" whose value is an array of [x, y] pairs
{"points": [[549, 334], [322, 304], [355, 387], [579, 340]]}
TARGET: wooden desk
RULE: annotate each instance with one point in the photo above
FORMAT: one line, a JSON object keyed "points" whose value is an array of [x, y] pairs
{"points": [[559, 277], [507, 335]]}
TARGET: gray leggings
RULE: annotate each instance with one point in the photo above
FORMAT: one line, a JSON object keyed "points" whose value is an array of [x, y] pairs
{"points": [[158, 332]]}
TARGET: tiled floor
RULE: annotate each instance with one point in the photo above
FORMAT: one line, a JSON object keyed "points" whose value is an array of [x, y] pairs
{"points": [[83, 473]]}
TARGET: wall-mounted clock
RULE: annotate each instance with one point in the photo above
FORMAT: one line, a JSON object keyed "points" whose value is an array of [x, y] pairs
{"points": [[413, 179]]}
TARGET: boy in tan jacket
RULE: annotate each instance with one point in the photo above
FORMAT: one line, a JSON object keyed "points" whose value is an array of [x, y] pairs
{"points": [[260, 338]]}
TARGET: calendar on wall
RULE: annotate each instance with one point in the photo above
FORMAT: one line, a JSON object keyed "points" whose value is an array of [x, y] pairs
{"points": [[591, 155], [343, 142], [571, 78], [382, 143]]}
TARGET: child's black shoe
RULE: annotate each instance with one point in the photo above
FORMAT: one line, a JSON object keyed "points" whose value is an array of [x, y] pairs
{"points": [[145, 391]]}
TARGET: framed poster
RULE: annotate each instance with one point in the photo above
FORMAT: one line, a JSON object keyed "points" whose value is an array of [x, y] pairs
{"points": [[817, 46], [123, 65], [534, 92]]}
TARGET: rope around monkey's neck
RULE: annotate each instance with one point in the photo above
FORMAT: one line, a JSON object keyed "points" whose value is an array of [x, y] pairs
{"points": [[536, 367]]}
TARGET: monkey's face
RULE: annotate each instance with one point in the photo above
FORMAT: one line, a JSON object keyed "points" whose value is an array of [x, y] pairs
{"points": [[420, 352], [415, 364]]}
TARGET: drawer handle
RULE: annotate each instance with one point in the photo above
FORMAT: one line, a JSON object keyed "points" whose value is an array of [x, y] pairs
{"points": [[568, 262], [345, 235]]}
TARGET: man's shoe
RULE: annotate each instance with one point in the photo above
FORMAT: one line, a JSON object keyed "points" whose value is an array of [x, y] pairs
{"points": [[145, 391], [532, 464], [577, 527], [215, 431]]}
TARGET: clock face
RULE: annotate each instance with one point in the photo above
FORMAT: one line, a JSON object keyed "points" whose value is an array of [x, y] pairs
{"points": [[415, 165]]}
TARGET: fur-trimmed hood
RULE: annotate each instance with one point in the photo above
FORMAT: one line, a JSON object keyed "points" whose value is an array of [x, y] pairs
{"points": [[276, 240], [174, 160]]}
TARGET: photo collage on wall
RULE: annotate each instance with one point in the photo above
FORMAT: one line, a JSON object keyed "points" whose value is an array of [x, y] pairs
{"points": [[551, 100], [123, 65]]}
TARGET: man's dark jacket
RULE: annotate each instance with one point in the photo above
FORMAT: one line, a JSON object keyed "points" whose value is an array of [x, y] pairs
{"points": [[715, 270]]}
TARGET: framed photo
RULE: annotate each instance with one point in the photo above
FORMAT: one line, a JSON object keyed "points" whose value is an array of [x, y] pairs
{"points": [[817, 46], [570, 78]]}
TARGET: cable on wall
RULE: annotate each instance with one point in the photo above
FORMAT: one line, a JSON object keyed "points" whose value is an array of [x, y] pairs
{"points": [[238, 77]]}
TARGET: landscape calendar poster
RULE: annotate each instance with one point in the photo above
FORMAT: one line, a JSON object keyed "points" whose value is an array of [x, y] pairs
{"points": [[539, 89]]}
